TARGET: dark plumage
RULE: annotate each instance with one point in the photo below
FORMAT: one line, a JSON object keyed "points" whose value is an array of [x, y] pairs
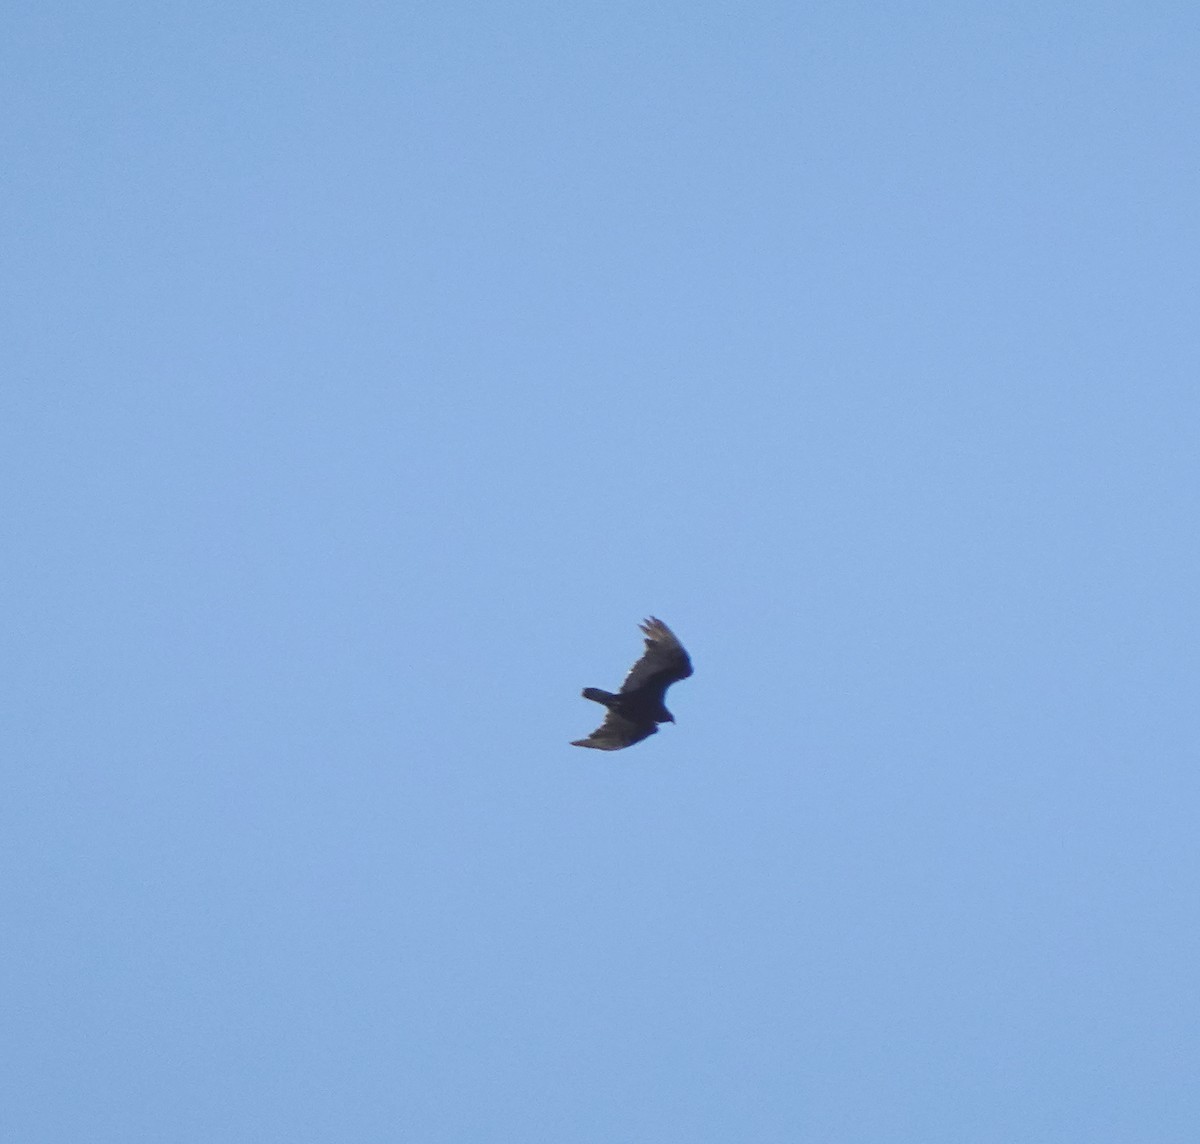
{"points": [[636, 710]]}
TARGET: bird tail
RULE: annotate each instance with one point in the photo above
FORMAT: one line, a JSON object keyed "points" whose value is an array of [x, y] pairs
{"points": [[598, 696]]}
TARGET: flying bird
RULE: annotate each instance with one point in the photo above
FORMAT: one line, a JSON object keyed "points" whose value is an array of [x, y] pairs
{"points": [[636, 710]]}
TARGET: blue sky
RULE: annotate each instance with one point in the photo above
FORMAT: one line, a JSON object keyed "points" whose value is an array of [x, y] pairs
{"points": [[371, 370]]}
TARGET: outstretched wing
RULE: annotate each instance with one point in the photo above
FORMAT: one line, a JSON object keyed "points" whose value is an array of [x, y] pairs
{"points": [[616, 732], [663, 662]]}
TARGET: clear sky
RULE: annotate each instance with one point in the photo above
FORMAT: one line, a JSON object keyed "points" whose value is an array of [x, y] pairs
{"points": [[369, 370]]}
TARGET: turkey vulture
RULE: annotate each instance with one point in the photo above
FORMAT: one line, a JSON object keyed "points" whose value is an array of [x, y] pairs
{"points": [[636, 709]]}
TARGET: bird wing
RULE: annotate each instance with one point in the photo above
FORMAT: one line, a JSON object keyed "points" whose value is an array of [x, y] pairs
{"points": [[663, 662], [616, 732]]}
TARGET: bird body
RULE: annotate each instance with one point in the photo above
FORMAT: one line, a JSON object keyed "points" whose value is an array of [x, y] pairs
{"points": [[635, 711]]}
